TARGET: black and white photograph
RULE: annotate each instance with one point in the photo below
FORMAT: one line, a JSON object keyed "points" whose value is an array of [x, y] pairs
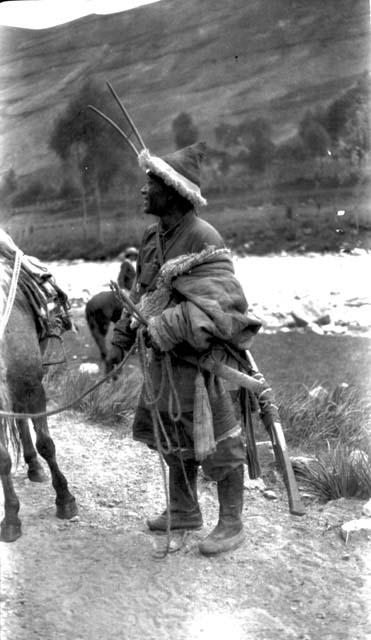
{"points": [[185, 320]]}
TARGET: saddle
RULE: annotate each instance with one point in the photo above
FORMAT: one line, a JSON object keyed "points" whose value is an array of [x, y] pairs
{"points": [[49, 304]]}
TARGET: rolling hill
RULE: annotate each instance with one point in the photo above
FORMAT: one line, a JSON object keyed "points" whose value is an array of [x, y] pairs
{"points": [[216, 60]]}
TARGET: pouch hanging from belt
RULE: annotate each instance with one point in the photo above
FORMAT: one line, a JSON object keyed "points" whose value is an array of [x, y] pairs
{"points": [[203, 427]]}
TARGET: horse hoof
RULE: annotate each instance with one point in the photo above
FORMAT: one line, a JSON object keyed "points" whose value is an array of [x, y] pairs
{"points": [[67, 510], [37, 474], [10, 532]]}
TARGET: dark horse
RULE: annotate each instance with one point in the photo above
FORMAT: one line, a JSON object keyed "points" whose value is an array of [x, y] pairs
{"points": [[104, 307], [100, 311], [22, 391]]}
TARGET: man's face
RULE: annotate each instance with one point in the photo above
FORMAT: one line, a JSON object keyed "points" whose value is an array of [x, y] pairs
{"points": [[155, 196]]}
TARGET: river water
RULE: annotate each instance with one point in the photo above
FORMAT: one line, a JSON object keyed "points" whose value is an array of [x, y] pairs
{"points": [[311, 285]]}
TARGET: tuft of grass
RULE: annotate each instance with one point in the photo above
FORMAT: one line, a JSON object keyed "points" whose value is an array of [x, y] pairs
{"points": [[341, 472], [316, 416], [113, 402], [335, 426]]}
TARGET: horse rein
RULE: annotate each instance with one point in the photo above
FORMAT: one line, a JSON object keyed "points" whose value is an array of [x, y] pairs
{"points": [[53, 412]]}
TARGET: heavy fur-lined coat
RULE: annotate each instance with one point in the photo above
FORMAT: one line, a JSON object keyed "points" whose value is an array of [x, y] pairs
{"points": [[206, 305]]}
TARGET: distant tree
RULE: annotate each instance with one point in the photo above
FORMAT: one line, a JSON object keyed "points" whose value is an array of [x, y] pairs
{"points": [[226, 134], [338, 114], [8, 183], [68, 191], [255, 136], [81, 138], [314, 136], [248, 130], [357, 133], [261, 153], [184, 130], [291, 150], [30, 195], [350, 114]]}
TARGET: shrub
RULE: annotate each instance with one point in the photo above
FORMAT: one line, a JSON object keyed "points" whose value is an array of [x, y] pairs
{"points": [[30, 195], [334, 426], [316, 416], [112, 402], [341, 472], [184, 130], [8, 184], [68, 191]]}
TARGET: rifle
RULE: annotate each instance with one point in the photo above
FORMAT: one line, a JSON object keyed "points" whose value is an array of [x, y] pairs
{"points": [[271, 420]]}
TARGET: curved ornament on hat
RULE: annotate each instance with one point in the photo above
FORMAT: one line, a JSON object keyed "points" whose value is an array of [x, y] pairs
{"points": [[185, 187]]}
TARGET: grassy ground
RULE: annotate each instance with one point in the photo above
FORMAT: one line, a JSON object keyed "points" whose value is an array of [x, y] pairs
{"points": [[290, 360], [321, 387]]}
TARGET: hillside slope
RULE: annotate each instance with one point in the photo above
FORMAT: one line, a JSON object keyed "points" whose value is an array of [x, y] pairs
{"points": [[217, 60]]}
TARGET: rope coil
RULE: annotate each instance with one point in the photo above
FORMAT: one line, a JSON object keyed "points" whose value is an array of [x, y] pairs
{"points": [[12, 291]]}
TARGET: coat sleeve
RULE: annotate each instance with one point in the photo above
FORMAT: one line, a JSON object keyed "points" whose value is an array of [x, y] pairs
{"points": [[183, 323], [212, 307], [123, 335]]}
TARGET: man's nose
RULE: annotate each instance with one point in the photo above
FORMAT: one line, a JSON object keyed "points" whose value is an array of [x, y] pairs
{"points": [[144, 190]]}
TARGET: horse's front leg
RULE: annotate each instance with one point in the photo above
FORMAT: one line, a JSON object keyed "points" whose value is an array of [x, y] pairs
{"points": [[11, 524], [35, 471], [66, 503]]}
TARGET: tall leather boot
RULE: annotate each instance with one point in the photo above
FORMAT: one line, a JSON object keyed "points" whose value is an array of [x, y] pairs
{"points": [[184, 508], [228, 533]]}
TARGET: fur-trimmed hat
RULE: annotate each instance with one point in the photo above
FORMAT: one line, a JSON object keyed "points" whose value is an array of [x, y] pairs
{"points": [[180, 170], [131, 251]]}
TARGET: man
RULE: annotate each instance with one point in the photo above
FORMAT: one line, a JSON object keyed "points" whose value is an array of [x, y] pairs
{"points": [[127, 268], [205, 310]]}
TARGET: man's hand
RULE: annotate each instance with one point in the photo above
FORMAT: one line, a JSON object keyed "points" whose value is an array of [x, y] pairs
{"points": [[149, 340], [114, 357]]}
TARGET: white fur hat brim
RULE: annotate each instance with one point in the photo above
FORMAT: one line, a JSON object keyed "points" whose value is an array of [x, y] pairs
{"points": [[172, 178]]}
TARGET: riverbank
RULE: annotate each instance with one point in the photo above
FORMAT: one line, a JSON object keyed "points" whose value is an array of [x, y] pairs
{"points": [[279, 288]]}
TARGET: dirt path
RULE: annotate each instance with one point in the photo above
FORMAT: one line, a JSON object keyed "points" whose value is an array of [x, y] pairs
{"points": [[98, 577]]}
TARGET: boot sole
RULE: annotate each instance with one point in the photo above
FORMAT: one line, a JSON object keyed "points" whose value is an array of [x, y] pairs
{"points": [[212, 548], [189, 527]]}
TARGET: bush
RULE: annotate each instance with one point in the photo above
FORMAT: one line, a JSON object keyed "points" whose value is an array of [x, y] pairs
{"points": [[184, 130], [8, 184], [316, 416], [29, 195], [341, 472], [334, 426], [68, 191], [111, 403]]}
